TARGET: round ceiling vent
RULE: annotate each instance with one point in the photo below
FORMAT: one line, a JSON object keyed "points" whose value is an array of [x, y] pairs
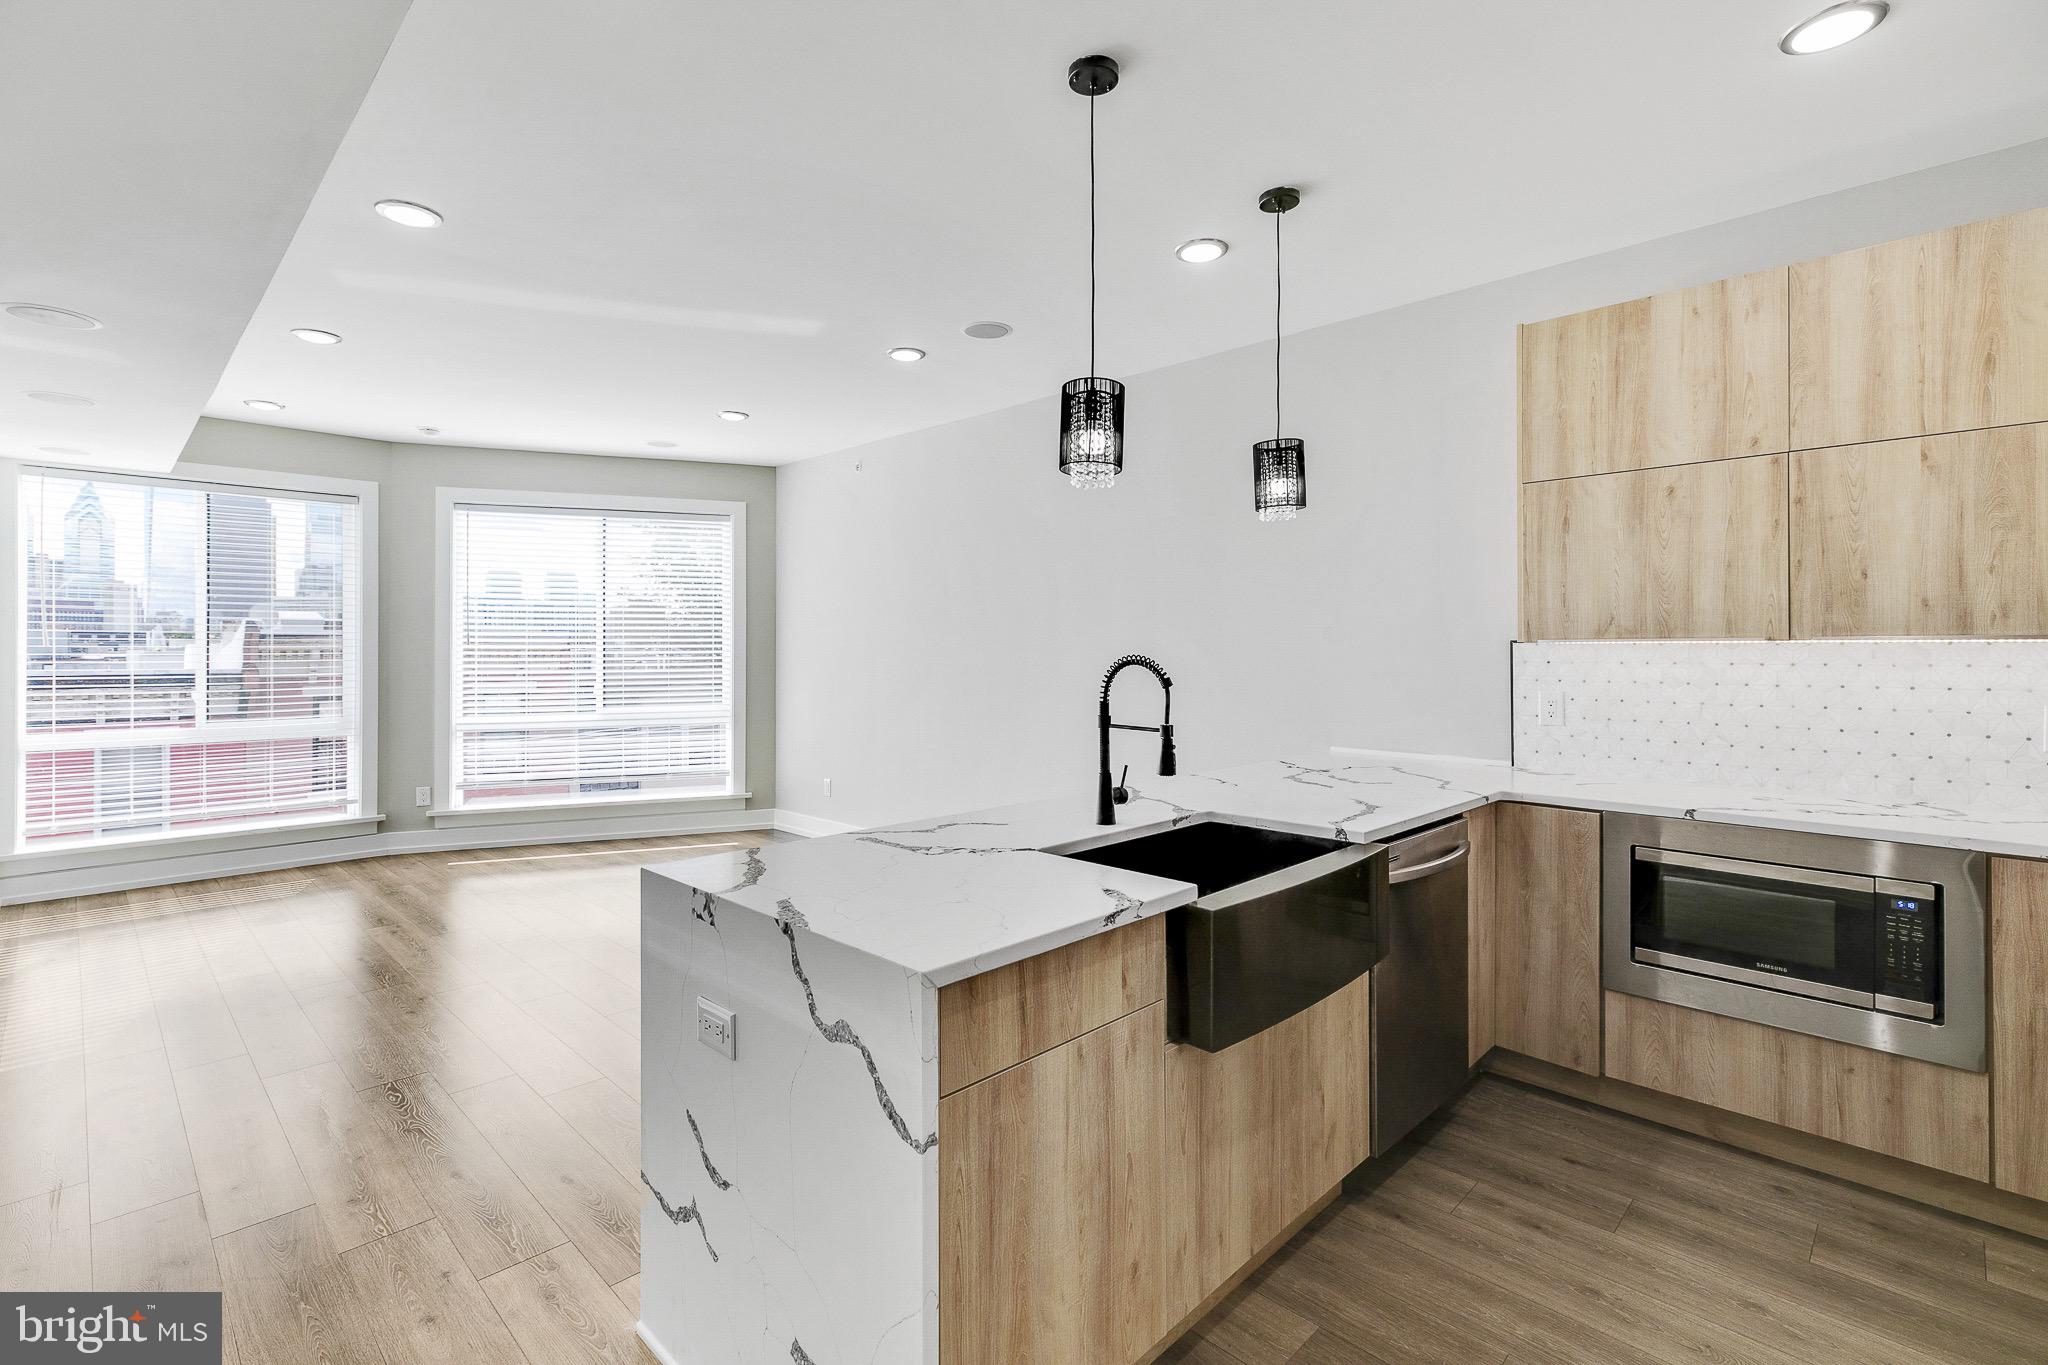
{"points": [[987, 331], [53, 317]]}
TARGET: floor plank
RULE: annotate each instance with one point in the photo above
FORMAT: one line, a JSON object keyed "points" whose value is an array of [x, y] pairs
{"points": [[607, 1118], [246, 1169], [560, 1310], [358, 1176], [411, 1298], [593, 1037], [597, 1208], [135, 1136], [42, 1128], [482, 1207], [46, 1242], [163, 1247]]}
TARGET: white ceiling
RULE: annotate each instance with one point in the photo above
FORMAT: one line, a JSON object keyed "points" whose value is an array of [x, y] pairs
{"points": [[155, 159], [655, 210]]}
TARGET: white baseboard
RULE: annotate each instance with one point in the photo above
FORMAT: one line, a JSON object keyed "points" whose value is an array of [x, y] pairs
{"points": [[172, 868], [811, 826], [654, 1347]]}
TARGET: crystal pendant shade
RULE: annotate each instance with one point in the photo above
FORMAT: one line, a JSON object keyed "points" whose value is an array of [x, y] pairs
{"points": [[1092, 431], [1279, 478]]}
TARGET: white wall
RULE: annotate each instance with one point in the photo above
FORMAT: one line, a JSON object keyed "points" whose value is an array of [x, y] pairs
{"points": [[947, 604]]}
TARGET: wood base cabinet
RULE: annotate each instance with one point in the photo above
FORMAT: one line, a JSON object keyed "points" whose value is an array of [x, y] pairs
{"points": [[1934, 1115], [1546, 934], [2019, 1024]]}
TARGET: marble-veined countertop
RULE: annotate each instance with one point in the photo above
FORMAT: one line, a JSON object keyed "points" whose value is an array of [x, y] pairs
{"points": [[953, 897]]}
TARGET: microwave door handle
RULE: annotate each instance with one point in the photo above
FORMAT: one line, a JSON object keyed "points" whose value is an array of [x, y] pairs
{"points": [[1771, 872]]}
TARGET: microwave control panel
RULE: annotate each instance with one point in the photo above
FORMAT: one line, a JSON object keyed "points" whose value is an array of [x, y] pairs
{"points": [[1909, 947]]}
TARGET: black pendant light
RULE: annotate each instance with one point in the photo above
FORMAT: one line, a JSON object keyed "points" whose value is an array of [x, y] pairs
{"points": [[1279, 466], [1092, 408]]}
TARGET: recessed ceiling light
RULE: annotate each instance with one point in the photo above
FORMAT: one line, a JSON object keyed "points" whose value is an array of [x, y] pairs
{"points": [[51, 316], [906, 354], [407, 214], [1202, 250], [62, 400], [67, 452], [735, 415], [263, 404], [663, 445], [987, 331], [428, 431], [1833, 26], [316, 336]]}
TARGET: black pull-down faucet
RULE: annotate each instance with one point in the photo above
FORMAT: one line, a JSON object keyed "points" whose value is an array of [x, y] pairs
{"points": [[1108, 797]]}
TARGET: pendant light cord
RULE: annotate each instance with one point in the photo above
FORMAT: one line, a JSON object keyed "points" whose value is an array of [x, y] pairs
{"points": [[1091, 235], [1276, 324]]}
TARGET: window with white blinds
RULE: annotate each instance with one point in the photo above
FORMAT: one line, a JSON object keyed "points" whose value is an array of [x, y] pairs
{"points": [[592, 655], [192, 658]]}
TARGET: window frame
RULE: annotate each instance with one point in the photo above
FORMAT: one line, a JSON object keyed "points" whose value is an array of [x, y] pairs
{"points": [[445, 810], [14, 657]]}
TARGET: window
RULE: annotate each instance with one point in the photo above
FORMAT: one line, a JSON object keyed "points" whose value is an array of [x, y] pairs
{"points": [[192, 658], [593, 651]]}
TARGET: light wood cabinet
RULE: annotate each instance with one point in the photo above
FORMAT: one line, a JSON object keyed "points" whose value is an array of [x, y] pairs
{"points": [[1002, 1017], [1947, 331], [1050, 1204], [1546, 934], [2019, 1024], [1934, 1115], [1257, 1134], [1691, 551], [1694, 374], [1945, 535]]}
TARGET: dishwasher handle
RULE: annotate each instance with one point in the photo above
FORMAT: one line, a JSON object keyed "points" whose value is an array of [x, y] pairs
{"points": [[1401, 875]]}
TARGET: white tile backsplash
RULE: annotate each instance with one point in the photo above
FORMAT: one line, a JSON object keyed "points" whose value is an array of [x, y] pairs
{"points": [[1952, 724]]}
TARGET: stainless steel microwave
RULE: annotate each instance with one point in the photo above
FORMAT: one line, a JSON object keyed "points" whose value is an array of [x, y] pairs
{"points": [[1867, 942]]}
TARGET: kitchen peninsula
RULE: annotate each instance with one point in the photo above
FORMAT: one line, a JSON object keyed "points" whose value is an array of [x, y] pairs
{"points": [[799, 1187]]}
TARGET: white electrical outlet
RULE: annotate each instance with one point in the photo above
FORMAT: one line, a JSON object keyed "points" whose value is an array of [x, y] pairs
{"points": [[1550, 708], [828, 786], [423, 796], [716, 1028]]}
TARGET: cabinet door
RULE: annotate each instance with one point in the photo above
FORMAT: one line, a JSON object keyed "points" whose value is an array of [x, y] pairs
{"points": [[1947, 535], [1689, 552], [1050, 1205], [1694, 374], [2019, 1024], [1546, 987], [1917, 1111], [1257, 1134], [1943, 332]]}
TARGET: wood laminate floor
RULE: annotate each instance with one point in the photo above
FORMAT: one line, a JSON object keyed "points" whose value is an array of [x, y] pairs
{"points": [[1523, 1228], [391, 1109]]}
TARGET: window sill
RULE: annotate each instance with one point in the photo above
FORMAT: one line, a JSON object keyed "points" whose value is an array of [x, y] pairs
{"points": [[193, 841], [598, 809]]}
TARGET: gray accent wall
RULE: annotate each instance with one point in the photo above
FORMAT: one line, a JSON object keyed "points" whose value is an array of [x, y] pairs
{"points": [[407, 477]]}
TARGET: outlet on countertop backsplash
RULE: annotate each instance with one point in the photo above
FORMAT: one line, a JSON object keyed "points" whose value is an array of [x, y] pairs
{"points": [[1956, 724]]}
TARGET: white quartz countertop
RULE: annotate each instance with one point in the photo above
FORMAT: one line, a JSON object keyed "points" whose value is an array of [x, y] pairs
{"points": [[953, 897]]}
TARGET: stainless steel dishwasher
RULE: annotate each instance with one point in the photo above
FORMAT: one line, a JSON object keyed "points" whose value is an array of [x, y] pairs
{"points": [[1419, 1040]]}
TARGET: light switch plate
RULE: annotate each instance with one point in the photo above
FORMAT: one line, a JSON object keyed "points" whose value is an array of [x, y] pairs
{"points": [[716, 1029]]}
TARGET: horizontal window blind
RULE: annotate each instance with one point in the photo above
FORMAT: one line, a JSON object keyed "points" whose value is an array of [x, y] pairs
{"points": [[592, 655], [192, 657]]}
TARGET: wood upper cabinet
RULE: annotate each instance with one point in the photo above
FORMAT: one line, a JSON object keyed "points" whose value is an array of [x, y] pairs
{"points": [[1257, 1134], [2019, 1024], [1694, 374], [1947, 331], [1546, 934], [1050, 1204], [1934, 1115], [1691, 551], [1945, 535]]}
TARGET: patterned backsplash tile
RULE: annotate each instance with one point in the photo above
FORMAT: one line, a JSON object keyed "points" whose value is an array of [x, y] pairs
{"points": [[1954, 724]]}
